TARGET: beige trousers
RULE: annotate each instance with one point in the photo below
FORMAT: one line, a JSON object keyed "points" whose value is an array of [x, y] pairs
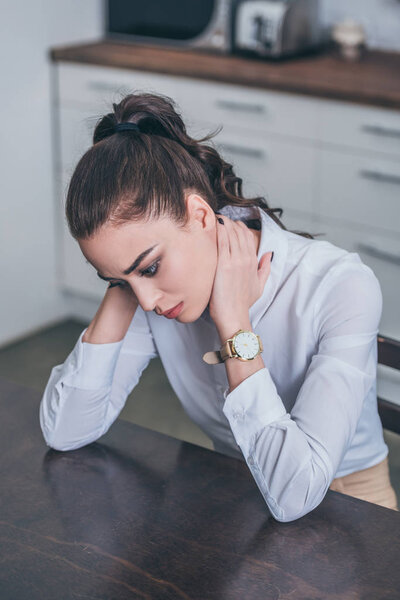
{"points": [[372, 484]]}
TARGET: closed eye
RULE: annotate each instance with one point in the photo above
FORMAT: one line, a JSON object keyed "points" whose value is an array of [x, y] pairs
{"points": [[149, 272]]}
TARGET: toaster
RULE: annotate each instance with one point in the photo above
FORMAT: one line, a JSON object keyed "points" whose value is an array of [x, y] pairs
{"points": [[276, 28]]}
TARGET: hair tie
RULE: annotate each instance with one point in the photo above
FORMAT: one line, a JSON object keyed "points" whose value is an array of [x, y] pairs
{"points": [[126, 127]]}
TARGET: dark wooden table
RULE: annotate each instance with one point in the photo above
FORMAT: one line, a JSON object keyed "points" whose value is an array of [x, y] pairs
{"points": [[141, 515]]}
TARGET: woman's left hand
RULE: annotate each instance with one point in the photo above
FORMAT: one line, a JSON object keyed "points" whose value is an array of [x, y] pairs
{"points": [[239, 279]]}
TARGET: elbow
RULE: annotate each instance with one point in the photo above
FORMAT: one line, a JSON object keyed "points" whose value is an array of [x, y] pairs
{"points": [[55, 441], [287, 517], [57, 444], [300, 498], [288, 514], [63, 445]]}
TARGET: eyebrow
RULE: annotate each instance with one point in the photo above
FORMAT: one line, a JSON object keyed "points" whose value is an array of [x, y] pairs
{"points": [[133, 266]]}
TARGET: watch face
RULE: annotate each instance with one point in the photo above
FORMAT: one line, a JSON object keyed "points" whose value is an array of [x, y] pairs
{"points": [[246, 344]]}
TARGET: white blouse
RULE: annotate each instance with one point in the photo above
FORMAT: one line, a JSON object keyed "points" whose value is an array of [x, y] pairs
{"points": [[309, 416]]}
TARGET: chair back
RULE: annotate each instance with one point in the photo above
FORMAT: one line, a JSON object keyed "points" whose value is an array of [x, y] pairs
{"points": [[389, 355]]}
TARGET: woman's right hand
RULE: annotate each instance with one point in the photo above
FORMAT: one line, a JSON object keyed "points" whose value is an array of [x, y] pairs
{"points": [[113, 317]]}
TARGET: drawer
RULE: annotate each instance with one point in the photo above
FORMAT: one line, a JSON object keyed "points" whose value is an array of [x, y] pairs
{"points": [[252, 110], [363, 190], [358, 126], [382, 255], [217, 103], [283, 172], [96, 88]]}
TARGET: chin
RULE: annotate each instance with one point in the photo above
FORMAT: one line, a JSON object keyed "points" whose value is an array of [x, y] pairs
{"points": [[191, 317]]}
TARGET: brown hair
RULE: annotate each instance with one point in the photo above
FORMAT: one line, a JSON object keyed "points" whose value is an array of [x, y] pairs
{"points": [[136, 175]]}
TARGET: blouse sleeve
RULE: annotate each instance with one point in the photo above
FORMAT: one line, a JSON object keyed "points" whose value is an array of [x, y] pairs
{"points": [[85, 394], [294, 457]]}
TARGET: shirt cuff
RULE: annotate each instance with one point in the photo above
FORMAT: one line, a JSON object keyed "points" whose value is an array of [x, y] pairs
{"points": [[91, 366], [251, 406]]}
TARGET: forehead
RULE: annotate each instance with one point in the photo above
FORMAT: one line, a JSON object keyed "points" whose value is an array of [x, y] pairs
{"points": [[112, 243]]}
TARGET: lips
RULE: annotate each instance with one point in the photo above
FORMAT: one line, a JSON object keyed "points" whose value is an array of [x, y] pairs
{"points": [[174, 312]]}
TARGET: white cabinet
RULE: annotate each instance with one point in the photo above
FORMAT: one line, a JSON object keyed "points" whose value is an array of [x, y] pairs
{"points": [[361, 189], [264, 163], [360, 127], [332, 166]]}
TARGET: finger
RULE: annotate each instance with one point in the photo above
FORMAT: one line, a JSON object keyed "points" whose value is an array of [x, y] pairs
{"points": [[247, 239], [222, 239], [240, 240], [229, 233]]}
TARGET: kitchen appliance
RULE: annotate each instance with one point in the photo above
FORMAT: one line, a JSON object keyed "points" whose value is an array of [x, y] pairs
{"points": [[200, 24], [276, 28]]}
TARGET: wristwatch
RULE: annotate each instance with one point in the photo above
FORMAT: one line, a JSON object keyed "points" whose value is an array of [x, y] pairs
{"points": [[243, 345]]}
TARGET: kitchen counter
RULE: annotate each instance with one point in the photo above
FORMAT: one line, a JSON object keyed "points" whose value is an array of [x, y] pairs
{"points": [[375, 80]]}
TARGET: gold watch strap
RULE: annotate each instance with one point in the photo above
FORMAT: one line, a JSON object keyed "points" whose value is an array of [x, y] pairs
{"points": [[226, 350], [212, 357], [218, 356]]}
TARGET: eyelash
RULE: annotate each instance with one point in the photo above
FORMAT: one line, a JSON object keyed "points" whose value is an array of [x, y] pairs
{"points": [[142, 274]]}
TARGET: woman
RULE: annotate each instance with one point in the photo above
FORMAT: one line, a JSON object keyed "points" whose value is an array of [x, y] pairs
{"points": [[294, 391]]}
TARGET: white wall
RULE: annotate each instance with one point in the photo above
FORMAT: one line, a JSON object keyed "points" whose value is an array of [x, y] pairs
{"points": [[380, 19], [29, 298]]}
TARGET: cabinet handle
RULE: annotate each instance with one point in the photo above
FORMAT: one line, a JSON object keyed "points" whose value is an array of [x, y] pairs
{"points": [[241, 106], [377, 253], [243, 150], [379, 176], [381, 130]]}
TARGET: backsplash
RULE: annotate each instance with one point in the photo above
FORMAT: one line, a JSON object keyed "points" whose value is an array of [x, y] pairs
{"points": [[380, 19]]}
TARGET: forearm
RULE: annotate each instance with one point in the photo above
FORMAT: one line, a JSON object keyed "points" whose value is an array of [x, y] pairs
{"points": [[238, 370], [291, 468], [113, 317]]}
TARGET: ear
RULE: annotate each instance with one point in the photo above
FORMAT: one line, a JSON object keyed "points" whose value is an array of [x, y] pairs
{"points": [[201, 215]]}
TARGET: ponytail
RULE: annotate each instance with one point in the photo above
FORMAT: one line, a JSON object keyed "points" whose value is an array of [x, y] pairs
{"points": [[145, 171]]}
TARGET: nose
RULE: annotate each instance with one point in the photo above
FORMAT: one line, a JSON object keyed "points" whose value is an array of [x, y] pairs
{"points": [[147, 296]]}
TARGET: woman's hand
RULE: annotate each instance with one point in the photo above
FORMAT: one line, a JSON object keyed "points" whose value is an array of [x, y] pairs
{"points": [[239, 279]]}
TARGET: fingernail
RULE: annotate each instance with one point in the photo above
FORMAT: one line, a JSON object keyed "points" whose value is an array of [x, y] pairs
{"points": [[220, 221], [272, 256]]}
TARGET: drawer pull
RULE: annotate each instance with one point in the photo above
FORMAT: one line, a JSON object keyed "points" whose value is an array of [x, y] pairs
{"points": [[242, 150], [379, 176], [377, 253], [381, 130], [241, 106]]}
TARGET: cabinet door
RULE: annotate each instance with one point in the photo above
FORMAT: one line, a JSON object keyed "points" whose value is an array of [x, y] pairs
{"points": [[360, 189], [252, 110], [359, 127], [76, 274], [382, 255], [281, 171]]}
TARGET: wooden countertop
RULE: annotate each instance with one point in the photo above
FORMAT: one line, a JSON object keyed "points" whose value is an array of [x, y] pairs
{"points": [[375, 80]]}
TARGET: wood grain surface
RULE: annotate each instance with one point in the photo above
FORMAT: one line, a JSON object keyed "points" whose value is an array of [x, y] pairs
{"points": [[138, 514]]}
